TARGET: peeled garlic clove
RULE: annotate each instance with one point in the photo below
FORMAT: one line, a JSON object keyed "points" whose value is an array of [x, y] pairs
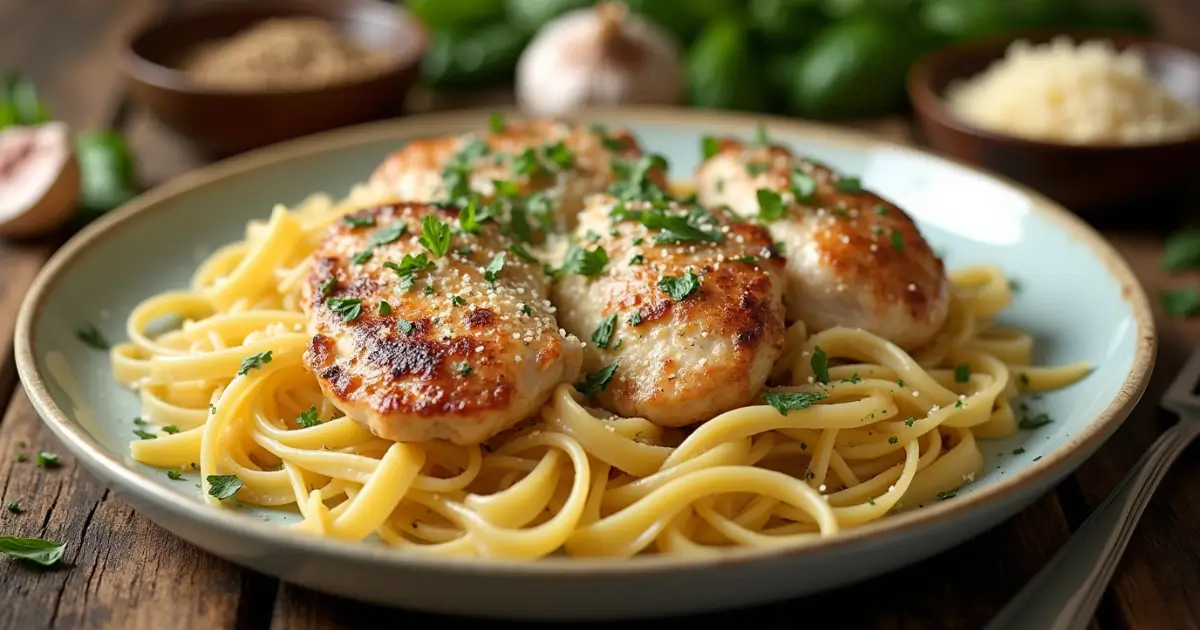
{"points": [[601, 56], [39, 179]]}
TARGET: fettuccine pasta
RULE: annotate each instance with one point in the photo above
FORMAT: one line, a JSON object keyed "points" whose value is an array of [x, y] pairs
{"points": [[893, 431]]}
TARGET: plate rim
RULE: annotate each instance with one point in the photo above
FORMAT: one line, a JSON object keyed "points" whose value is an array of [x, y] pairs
{"points": [[113, 472]]}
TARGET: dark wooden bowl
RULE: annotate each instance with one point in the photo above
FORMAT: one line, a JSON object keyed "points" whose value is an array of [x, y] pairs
{"points": [[225, 121], [1085, 178]]}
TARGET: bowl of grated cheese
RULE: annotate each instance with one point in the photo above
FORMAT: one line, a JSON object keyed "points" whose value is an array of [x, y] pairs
{"points": [[1095, 120]]}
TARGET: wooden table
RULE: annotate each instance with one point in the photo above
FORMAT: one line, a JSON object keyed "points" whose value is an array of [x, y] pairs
{"points": [[121, 571]]}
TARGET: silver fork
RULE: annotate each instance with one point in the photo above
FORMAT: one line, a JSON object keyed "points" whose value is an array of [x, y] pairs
{"points": [[1065, 593]]}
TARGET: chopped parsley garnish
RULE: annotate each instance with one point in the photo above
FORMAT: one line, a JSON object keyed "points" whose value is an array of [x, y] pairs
{"points": [[594, 382], [428, 290], [468, 218], [820, 365], [610, 143], [496, 122], [385, 308], [404, 326], [962, 373], [1024, 378], [223, 486], [348, 308], [1040, 420], [386, 235], [854, 379], [908, 422], [409, 266], [559, 155], [638, 240], [1182, 250], [942, 496], [790, 401], [851, 185], [435, 236], [898, 241], [958, 404], [637, 260], [770, 205], [1183, 302], [603, 333], [900, 382], [680, 288], [880, 209], [709, 146], [583, 262], [44, 552], [675, 228], [170, 429], [494, 268], [254, 362], [145, 435], [357, 220], [140, 421], [463, 369], [591, 236], [526, 163], [634, 181], [804, 187], [327, 285], [174, 475], [92, 337], [527, 309], [520, 252], [506, 189], [1018, 450], [308, 418], [14, 507], [456, 301], [893, 440], [749, 260], [361, 258], [635, 318]]}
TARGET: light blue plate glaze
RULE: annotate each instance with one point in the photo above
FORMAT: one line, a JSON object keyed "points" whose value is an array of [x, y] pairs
{"points": [[1075, 294]]}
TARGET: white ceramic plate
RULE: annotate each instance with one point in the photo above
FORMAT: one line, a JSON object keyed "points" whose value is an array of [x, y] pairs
{"points": [[1077, 296]]}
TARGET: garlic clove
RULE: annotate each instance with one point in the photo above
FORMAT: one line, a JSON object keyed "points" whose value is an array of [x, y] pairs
{"points": [[39, 179], [600, 56]]}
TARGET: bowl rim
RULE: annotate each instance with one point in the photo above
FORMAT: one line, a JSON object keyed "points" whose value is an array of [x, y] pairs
{"points": [[143, 70], [111, 469], [931, 105]]}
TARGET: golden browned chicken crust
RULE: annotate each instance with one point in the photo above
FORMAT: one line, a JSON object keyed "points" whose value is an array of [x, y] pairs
{"points": [[565, 161], [680, 360], [460, 349], [854, 258]]}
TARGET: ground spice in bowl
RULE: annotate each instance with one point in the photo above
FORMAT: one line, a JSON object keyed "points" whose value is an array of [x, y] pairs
{"points": [[292, 53]]}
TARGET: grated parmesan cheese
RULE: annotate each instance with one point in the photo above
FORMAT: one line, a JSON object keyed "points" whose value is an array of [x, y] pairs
{"points": [[1085, 94]]}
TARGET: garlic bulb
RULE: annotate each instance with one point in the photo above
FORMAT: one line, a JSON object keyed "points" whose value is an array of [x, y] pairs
{"points": [[600, 56]]}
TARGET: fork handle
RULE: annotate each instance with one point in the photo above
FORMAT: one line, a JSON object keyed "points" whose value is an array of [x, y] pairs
{"points": [[1065, 593]]}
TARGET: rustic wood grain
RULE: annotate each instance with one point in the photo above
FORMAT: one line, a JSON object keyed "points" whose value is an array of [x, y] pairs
{"points": [[123, 572], [1152, 584], [119, 571]]}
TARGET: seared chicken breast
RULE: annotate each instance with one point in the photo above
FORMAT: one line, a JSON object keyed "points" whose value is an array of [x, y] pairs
{"points": [[562, 163], [426, 331], [685, 303], [853, 258]]}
